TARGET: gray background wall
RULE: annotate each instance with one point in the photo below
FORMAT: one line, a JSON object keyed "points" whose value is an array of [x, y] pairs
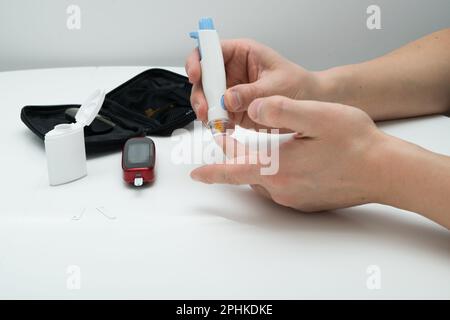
{"points": [[316, 34]]}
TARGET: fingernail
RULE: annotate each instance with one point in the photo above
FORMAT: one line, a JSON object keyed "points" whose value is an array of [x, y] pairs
{"points": [[235, 100], [253, 111]]}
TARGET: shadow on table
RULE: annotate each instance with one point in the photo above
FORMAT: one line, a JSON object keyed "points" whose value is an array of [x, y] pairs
{"points": [[358, 223]]}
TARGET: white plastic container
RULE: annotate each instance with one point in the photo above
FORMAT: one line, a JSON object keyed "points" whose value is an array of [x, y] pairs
{"points": [[64, 145]]}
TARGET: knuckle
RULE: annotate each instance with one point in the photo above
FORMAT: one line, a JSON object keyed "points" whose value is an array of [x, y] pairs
{"points": [[246, 41], [228, 178], [196, 93], [246, 45], [187, 63], [251, 92], [275, 110], [193, 101], [332, 111]]}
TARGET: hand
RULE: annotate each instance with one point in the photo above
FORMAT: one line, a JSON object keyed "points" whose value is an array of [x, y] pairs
{"points": [[253, 71], [331, 162]]}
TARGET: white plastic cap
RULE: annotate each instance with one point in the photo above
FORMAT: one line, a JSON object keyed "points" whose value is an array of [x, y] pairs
{"points": [[90, 108], [65, 147]]}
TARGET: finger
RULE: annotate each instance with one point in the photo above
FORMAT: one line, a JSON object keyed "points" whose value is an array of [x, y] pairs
{"points": [[236, 174], [236, 152], [304, 117], [261, 190], [198, 102], [192, 66], [239, 97], [193, 70], [230, 48], [231, 147]]}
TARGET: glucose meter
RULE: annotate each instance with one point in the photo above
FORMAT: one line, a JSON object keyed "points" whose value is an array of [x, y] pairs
{"points": [[138, 161]]}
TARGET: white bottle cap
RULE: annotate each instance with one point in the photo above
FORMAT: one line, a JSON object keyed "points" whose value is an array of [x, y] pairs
{"points": [[64, 145]]}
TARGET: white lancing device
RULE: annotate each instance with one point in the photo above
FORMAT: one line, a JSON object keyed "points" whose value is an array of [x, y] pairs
{"points": [[213, 69]]}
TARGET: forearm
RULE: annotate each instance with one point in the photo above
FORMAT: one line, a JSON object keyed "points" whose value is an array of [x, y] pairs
{"points": [[414, 179], [411, 81]]}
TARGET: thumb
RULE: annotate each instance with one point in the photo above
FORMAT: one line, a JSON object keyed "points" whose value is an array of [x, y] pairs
{"points": [[280, 112], [239, 97]]}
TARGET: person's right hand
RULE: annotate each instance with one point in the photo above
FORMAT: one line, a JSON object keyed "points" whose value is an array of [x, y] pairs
{"points": [[253, 71]]}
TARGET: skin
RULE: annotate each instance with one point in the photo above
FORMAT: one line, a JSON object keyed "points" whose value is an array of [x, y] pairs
{"points": [[337, 157]]}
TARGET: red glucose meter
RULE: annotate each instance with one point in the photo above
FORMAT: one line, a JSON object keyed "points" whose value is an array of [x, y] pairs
{"points": [[138, 161]]}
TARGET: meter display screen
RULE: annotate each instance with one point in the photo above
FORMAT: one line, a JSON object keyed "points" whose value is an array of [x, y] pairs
{"points": [[139, 153]]}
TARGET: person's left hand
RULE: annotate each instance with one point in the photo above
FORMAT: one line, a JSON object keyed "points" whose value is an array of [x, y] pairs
{"points": [[332, 161]]}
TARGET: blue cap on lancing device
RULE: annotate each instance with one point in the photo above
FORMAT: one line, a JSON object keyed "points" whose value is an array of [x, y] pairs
{"points": [[205, 24]]}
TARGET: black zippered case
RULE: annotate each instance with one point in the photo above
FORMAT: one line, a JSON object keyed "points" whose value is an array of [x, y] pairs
{"points": [[155, 102]]}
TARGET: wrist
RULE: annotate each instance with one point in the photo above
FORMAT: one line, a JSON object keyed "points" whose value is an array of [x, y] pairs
{"points": [[315, 85], [394, 166], [331, 83], [371, 177], [384, 159], [408, 177], [399, 168]]}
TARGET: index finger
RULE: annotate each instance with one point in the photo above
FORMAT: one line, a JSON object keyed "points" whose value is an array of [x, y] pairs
{"points": [[193, 67], [231, 147], [236, 174]]}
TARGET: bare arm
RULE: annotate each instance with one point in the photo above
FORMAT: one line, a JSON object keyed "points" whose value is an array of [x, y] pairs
{"points": [[414, 179], [411, 81]]}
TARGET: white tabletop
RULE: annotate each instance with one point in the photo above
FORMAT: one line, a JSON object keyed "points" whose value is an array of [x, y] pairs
{"points": [[182, 239]]}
